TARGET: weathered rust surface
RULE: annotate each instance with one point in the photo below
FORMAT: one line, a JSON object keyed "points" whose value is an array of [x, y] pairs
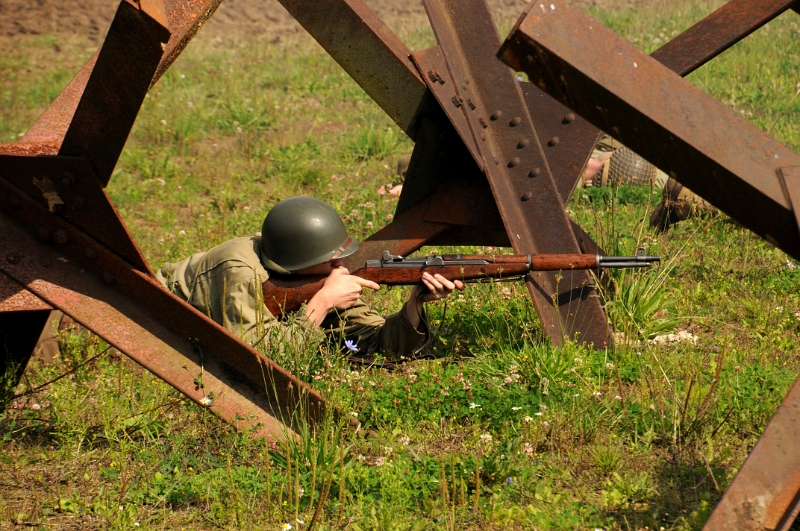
{"points": [[116, 88], [15, 298], [351, 32], [717, 32], [764, 494], [513, 156], [132, 312], [68, 187], [724, 158]]}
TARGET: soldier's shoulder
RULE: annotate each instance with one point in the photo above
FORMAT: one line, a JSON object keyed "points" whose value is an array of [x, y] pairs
{"points": [[239, 251]]}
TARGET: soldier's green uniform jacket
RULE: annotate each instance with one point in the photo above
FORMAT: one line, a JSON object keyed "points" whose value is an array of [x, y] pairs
{"points": [[225, 284]]}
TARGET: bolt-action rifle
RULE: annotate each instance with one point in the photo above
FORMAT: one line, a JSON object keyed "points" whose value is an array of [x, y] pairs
{"points": [[286, 293]]}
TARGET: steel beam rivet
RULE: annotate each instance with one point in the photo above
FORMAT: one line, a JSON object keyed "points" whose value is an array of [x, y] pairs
{"points": [[534, 172], [527, 196], [569, 118], [483, 123], [78, 202], [496, 115], [108, 278], [456, 101], [68, 178], [513, 162], [45, 261], [12, 257], [432, 75], [61, 237], [523, 143], [471, 105], [14, 201], [43, 234], [553, 141], [515, 121], [90, 253]]}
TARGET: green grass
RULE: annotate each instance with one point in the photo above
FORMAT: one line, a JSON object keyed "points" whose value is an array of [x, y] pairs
{"points": [[503, 431]]}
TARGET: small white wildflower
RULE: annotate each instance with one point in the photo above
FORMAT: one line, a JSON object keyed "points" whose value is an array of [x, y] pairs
{"points": [[473, 405], [597, 394], [353, 414], [36, 407], [578, 361], [618, 398], [515, 408], [163, 122], [653, 407], [610, 366], [405, 441], [543, 407], [183, 76], [545, 424], [207, 401], [486, 438], [286, 527], [301, 521], [136, 524], [538, 413], [379, 461], [388, 450], [527, 419], [576, 395], [181, 233]]}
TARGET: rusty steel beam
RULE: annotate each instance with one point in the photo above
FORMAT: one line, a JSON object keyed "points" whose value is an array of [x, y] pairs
{"points": [[515, 164], [351, 32], [183, 17], [15, 298], [117, 86], [132, 312], [717, 32], [723, 158], [765, 494], [68, 187]]}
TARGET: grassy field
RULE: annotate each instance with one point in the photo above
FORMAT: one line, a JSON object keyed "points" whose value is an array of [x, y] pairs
{"points": [[502, 431]]}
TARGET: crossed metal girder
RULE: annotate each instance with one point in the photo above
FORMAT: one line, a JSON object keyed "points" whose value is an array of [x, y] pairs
{"points": [[494, 163], [731, 163]]}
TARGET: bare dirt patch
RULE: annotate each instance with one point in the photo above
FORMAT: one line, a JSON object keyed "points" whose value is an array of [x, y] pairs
{"points": [[91, 18]]}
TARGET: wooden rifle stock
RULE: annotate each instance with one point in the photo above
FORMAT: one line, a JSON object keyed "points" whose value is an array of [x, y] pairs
{"points": [[286, 293]]}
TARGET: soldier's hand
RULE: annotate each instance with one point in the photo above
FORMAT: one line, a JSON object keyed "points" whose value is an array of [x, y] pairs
{"points": [[433, 288], [342, 290]]}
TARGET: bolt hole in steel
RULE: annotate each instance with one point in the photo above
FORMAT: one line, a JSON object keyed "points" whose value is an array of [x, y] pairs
{"points": [[515, 121], [456, 101], [534, 173], [523, 143], [471, 105], [553, 141], [513, 162], [483, 123], [569, 118], [12, 257], [496, 115], [527, 196]]}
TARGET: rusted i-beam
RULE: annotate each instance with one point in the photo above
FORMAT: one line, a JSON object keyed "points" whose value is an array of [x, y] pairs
{"points": [[724, 158]]}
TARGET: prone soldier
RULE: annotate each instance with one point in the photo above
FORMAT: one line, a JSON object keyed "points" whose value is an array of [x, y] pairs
{"points": [[302, 236]]}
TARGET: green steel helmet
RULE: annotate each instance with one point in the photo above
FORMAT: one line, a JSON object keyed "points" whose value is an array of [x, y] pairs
{"points": [[300, 232]]}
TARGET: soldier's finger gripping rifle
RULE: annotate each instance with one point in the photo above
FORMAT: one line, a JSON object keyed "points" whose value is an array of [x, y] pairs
{"points": [[286, 293]]}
